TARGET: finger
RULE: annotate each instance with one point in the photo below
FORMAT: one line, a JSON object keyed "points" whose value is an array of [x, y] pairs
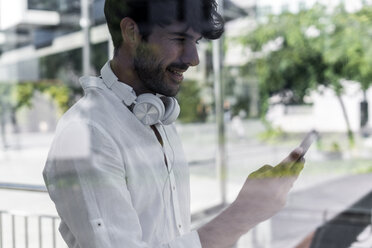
{"points": [[289, 170], [265, 168], [301, 160], [291, 176], [260, 173], [298, 166], [292, 158]]}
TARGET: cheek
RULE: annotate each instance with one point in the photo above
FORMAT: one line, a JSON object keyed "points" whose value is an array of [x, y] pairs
{"points": [[171, 53]]}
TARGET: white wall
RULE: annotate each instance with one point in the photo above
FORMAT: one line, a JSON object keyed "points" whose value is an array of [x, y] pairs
{"points": [[11, 12], [14, 12], [328, 113], [325, 115]]}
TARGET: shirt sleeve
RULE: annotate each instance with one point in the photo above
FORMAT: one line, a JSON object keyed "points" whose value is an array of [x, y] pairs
{"points": [[85, 177]]}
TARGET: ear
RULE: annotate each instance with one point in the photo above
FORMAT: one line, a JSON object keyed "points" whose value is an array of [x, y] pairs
{"points": [[130, 32]]}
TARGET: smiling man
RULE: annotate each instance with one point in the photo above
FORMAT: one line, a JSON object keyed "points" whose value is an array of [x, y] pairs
{"points": [[116, 170], [157, 65]]}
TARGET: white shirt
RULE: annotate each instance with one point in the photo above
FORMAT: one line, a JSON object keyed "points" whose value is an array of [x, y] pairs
{"points": [[107, 176]]}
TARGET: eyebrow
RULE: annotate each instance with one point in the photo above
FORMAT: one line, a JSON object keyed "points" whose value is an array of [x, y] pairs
{"points": [[186, 35]]}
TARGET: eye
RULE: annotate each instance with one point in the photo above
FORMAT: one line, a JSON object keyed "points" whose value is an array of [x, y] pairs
{"points": [[180, 40]]}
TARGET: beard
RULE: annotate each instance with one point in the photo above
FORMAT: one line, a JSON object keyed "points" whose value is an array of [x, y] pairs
{"points": [[152, 73]]}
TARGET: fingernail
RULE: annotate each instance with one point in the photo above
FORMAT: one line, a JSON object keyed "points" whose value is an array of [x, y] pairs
{"points": [[299, 150]]}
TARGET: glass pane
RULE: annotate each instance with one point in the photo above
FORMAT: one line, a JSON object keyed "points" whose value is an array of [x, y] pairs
{"points": [[281, 69]]}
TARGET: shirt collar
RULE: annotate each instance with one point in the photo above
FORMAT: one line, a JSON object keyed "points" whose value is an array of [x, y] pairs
{"points": [[122, 90]]}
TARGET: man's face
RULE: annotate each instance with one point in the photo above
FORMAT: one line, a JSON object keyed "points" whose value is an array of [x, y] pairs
{"points": [[161, 61]]}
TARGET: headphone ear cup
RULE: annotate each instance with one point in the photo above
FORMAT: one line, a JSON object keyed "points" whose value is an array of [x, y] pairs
{"points": [[149, 109], [172, 110]]}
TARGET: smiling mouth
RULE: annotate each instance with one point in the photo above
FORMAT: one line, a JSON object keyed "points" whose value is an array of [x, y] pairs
{"points": [[177, 75]]}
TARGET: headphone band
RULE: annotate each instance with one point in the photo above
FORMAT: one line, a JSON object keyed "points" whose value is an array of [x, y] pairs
{"points": [[122, 90]]}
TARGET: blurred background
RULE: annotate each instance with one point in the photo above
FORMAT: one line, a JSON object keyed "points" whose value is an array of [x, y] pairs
{"points": [[282, 69]]}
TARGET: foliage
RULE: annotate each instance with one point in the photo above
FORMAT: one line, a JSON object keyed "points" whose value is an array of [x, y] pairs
{"points": [[5, 97], [367, 169], [289, 57], [22, 95], [59, 73], [335, 147], [192, 107], [238, 92], [59, 93], [348, 49], [66, 67], [68, 61], [271, 134], [297, 52], [99, 56], [16, 96], [242, 104]]}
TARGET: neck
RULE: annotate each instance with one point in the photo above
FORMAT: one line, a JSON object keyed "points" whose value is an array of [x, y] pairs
{"points": [[124, 70]]}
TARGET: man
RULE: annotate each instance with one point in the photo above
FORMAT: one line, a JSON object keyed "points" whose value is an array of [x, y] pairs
{"points": [[116, 170]]}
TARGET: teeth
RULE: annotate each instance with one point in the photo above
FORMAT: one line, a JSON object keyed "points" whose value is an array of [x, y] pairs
{"points": [[176, 72]]}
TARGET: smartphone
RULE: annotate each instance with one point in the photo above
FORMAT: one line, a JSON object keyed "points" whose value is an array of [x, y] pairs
{"points": [[307, 141]]}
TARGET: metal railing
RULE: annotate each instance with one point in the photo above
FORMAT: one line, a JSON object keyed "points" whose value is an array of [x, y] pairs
{"points": [[24, 187], [23, 230]]}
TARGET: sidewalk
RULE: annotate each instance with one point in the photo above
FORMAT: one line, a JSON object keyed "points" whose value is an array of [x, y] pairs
{"points": [[309, 208], [309, 198]]}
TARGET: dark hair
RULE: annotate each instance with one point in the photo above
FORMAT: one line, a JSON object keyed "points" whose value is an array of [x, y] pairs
{"points": [[200, 15]]}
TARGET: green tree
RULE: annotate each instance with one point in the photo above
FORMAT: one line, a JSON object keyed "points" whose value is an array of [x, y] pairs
{"points": [[349, 50], [288, 56], [297, 52], [14, 97], [192, 107]]}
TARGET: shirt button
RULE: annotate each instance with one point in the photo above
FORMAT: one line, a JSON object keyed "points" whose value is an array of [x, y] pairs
{"points": [[174, 187], [179, 226]]}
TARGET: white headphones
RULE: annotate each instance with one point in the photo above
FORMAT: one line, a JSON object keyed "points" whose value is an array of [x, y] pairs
{"points": [[148, 108]]}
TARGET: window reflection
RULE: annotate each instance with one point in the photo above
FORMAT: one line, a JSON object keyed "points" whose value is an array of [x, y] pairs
{"points": [[265, 113]]}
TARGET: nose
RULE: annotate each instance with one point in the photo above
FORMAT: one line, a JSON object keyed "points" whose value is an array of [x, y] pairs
{"points": [[190, 55]]}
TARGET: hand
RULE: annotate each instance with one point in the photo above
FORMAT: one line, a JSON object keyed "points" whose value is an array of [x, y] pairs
{"points": [[265, 191], [263, 194]]}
